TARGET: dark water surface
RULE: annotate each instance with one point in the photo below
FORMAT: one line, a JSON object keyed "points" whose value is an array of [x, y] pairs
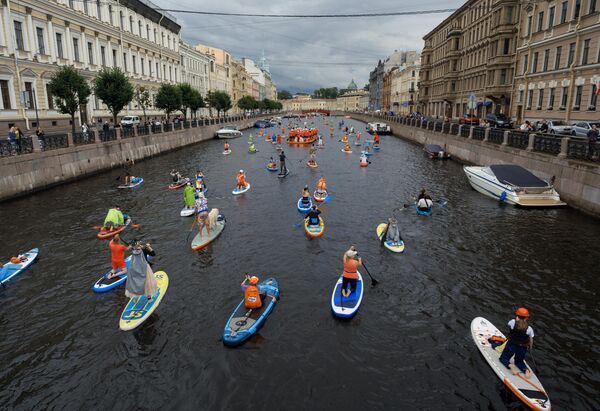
{"points": [[409, 347]]}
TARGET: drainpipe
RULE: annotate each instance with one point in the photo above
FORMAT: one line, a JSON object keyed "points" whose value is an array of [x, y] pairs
{"points": [[11, 29], [572, 67], [512, 86], [529, 59]]}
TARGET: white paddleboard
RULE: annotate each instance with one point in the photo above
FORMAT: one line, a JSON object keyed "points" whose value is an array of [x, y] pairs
{"points": [[226, 152], [242, 191], [187, 212], [201, 242], [135, 181]]}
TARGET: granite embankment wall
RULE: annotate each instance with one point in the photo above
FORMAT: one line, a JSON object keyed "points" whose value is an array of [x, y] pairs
{"points": [[49, 166], [577, 180]]}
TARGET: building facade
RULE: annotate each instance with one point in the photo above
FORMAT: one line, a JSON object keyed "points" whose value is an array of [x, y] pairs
{"points": [[558, 61], [241, 84], [38, 37], [220, 71], [404, 88], [195, 67], [470, 55], [353, 100], [305, 102], [376, 87]]}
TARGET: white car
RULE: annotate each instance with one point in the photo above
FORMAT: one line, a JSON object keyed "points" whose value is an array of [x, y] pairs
{"points": [[581, 128], [559, 127], [228, 132], [129, 121]]}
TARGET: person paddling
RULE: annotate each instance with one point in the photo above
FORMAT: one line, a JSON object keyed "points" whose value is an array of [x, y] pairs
{"points": [[313, 216], [351, 262], [252, 298], [226, 146], [189, 196], [241, 180], [305, 196], [127, 169], [175, 175], [424, 202], [140, 280], [201, 213], [322, 186], [520, 338], [376, 139], [313, 154], [282, 168], [117, 249], [114, 219], [279, 139]]}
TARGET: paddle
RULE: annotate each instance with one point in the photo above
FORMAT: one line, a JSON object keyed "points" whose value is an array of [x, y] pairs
{"points": [[374, 282], [325, 200]]}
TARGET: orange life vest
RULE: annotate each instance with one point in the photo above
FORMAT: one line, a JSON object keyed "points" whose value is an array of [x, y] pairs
{"points": [[252, 297], [226, 146], [345, 139], [321, 184], [350, 268], [241, 179]]}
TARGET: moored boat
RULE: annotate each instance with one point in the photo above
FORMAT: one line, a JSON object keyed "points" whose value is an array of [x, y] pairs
{"points": [[436, 152]]}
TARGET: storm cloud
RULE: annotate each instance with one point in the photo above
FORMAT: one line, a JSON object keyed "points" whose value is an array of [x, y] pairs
{"points": [[306, 54]]}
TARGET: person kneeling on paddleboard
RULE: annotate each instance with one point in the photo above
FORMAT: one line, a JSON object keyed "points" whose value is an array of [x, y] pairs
{"points": [[305, 196], [176, 176], [313, 216], [252, 298], [114, 219], [202, 214], [424, 202], [141, 279], [117, 249], [350, 275], [189, 196], [321, 186], [392, 231], [282, 167], [520, 338], [241, 180]]}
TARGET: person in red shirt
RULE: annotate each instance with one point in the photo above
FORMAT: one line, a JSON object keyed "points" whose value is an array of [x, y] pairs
{"points": [[117, 249]]}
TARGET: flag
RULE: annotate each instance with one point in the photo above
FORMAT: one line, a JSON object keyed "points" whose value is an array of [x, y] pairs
{"points": [[597, 87]]}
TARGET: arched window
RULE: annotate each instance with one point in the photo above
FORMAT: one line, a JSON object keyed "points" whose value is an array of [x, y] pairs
{"points": [[131, 24], [140, 28], [122, 19]]}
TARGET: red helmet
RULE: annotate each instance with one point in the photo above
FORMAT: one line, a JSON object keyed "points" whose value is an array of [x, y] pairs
{"points": [[522, 312]]}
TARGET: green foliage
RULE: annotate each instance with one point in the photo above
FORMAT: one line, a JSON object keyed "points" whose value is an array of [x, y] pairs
{"points": [[168, 99], [190, 98], [284, 95], [267, 104], [366, 87], [219, 100], [331, 92], [142, 98], [248, 103], [112, 86], [70, 91]]}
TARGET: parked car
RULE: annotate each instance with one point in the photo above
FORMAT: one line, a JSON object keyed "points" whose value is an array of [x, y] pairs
{"points": [[262, 124], [581, 128], [498, 121], [129, 121], [559, 127], [469, 120]]}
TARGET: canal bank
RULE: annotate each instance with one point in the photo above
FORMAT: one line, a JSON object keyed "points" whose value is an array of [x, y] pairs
{"points": [[48, 166], [577, 181]]}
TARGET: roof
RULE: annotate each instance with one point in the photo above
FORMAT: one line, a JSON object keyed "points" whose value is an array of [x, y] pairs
{"points": [[457, 12], [516, 175], [154, 13]]}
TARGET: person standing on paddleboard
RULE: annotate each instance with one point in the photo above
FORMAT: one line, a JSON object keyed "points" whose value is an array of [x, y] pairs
{"points": [[313, 154], [202, 214], [520, 338], [141, 279], [127, 169], [241, 180], [282, 168], [351, 262], [226, 146], [117, 249]]}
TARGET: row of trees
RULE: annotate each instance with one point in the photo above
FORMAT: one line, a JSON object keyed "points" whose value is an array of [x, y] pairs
{"points": [[250, 103]]}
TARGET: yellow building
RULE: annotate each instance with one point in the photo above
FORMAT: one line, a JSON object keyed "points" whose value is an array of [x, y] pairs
{"points": [[220, 75]]}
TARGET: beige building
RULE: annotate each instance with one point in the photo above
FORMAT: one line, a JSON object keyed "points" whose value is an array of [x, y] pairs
{"points": [[354, 100], [220, 71], [470, 53], [195, 66], [305, 102], [241, 85], [37, 37], [558, 61], [404, 88]]}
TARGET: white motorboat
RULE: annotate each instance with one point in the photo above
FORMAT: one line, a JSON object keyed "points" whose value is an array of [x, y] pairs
{"points": [[514, 185], [379, 128], [228, 132]]}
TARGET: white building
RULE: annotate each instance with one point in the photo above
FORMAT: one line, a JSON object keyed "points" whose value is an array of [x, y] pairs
{"points": [[195, 68]]}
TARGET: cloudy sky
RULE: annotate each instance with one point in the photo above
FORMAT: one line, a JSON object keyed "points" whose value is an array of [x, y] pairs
{"points": [[306, 54]]}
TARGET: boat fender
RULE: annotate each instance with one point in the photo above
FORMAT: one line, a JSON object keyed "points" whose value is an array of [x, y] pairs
{"points": [[503, 196]]}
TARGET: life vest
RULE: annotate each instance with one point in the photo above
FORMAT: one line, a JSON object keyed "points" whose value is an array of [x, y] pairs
{"points": [[226, 147], [321, 184], [252, 297], [350, 268], [241, 179], [518, 337]]}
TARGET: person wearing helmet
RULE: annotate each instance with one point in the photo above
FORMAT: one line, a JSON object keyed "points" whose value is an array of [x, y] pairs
{"points": [[241, 180], [252, 297], [201, 213], [351, 262], [189, 199], [305, 196], [313, 216], [520, 338]]}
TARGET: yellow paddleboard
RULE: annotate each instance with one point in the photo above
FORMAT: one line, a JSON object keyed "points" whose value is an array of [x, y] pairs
{"points": [[390, 245], [138, 309]]}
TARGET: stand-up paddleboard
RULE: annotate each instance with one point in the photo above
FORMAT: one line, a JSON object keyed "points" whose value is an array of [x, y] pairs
{"points": [[179, 184], [346, 307], [312, 165], [358, 143], [245, 322], [528, 390], [347, 152], [319, 197], [365, 164], [9, 270], [429, 211], [314, 230], [103, 234], [368, 153], [287, 172], [276, 168], [105, 284], [135, 181], [237, 191], [187, 212], [226, 152], [396, 247], [376, 147], [215, 230], [138, 309], [304, 208]]}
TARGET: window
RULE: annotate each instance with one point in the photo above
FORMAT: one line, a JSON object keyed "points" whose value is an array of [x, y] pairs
{"points": [[563, 12], [110, 14], [564, 98], [125, 61], [592, 7], [148, 31], [551, 17], [50, 101], [525, 63], [75, 49], [140, 28], [155, 35], [540, 99], [103, 55], [170, 73], [4, 92], [142, 66], [534, 62], [133, 65], [546, 58], [90, 53], [122, 20], [114, 59], [540, 22], [19, 35], [71, 4], [506, 48], [99, 9], [529, 18], [157, 72], [551, 99], [85, 7], [593, 98], [585, 52], [571, 54], [131, 24], [557, 58], [520, 96], [578, 92], [40, 40], [29, 91], [529, 99], [59, 46], [576, 9], [503, 76]]}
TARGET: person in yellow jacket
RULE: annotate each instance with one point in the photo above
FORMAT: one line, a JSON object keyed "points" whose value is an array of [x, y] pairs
{"points": [[114, 218]]}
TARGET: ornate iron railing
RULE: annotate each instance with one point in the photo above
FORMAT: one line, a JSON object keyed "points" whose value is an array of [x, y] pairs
{"points": [[53, 141], [496, 136], [81, 138], [519, 139], [478, 133], [547, 143]]}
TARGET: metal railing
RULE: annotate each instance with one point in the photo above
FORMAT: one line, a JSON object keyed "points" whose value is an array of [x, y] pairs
{"points": [[465, 131], [496, 136], [108, 135], [81, 138], [478, 133], [582, 149], [53, 141], [454, 128], [15, 147], [437, 126], [168, 127], [143, 130], [547, 143], [156, 128], [127, 132]]}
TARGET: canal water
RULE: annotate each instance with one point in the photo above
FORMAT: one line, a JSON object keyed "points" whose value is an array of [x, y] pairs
{"points": [[409, 347]]}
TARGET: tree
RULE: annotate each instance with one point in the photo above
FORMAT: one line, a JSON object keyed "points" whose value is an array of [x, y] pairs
{"points": [[284, 95], [190, 98], [112, 86], [142, 98], [70, 91], [331, 92], [196, 102], [168, 99], [219, 100], [247, 103], [366, 87]]}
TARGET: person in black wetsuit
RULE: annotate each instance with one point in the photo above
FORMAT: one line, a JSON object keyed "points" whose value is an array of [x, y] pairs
{"points": [[313, 216], [282, 168]]}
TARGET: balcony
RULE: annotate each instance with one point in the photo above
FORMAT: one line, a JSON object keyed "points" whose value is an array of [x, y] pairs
{"points": [[501, 59], [454, 31], [411, 90]]}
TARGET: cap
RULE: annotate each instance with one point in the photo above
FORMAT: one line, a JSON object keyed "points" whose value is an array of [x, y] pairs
{"points": [[522, 312], [253, 280]]}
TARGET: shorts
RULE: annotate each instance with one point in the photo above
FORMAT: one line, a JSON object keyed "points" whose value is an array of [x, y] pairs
{"points": [[351, 281], [119, 264]]}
